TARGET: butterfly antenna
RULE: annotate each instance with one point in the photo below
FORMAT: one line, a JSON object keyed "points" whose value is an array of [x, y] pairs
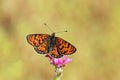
{"points": [[62, 31], [48, 27], [52, 30]]}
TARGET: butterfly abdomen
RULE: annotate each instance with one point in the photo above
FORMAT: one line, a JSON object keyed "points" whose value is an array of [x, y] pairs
{"points": [[51, 42]]}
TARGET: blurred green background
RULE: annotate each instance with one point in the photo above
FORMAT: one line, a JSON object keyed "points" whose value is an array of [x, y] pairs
{"points": [[93, 27]]}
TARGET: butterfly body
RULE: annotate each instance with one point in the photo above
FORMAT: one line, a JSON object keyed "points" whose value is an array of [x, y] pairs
{"points": [[49, 44]]}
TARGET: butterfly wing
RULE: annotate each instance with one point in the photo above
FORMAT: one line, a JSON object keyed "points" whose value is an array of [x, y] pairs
{"points": [[61, 47], [39, 42], [55, 52], [64, 47]]}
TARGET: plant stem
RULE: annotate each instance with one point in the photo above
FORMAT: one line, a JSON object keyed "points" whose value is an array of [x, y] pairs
{"points": [[58, 73]]}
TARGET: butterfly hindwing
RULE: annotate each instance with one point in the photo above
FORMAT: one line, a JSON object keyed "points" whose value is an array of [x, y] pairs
{"points": [[55, 52], [39, 42]]}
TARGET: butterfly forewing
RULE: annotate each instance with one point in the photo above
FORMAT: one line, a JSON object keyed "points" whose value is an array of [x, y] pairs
{"points": [[39, 42], [64, 47]]}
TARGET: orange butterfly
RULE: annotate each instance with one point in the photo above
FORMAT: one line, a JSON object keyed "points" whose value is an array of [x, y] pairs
{"points": [[49, 44]]}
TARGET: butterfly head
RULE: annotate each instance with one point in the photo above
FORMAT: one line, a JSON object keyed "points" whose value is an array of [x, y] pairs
{"points": [[53, 34]]}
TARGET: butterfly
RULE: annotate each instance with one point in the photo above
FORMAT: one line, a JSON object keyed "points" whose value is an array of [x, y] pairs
{"points": [[51, 45]]}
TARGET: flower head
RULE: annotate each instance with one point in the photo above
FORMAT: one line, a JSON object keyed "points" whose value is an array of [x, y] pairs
{"points": [[59, 62]]}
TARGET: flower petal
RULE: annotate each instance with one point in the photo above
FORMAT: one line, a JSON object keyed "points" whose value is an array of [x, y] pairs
{"points": [[49, 57], [67, 61], [55, 61], [64, 57], [60, 60]]}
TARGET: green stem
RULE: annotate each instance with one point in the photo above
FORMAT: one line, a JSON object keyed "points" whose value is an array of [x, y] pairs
{"points": [[58, 74]]}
